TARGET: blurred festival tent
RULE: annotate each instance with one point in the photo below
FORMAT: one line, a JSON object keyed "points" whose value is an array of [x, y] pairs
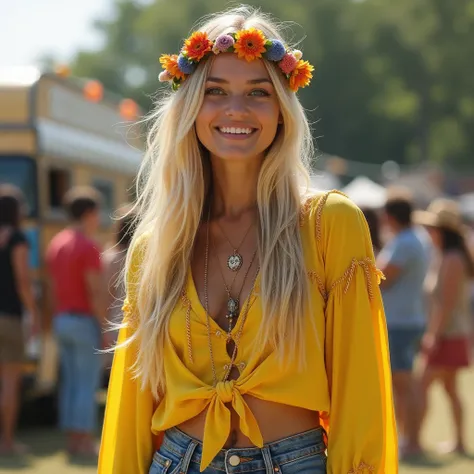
{"points": [[365, 192], [324, 181], [466, 202]]}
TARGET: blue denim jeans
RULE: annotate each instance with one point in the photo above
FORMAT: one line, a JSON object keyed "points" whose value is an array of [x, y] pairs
{"points": [[303, 453], [404, 345], [78, 338]]}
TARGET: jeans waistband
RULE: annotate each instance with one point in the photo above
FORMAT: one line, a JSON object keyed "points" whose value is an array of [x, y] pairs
{"points": [[312, 441]]}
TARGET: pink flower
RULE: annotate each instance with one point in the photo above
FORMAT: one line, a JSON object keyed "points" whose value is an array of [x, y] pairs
{"points": [[288, 63]]}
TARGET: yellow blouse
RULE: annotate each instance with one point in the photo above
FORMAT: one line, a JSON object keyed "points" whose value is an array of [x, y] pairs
{"points": [[346, 376]]}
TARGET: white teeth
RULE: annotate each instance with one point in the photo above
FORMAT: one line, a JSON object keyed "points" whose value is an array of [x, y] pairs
{"points": [[237, 131]]}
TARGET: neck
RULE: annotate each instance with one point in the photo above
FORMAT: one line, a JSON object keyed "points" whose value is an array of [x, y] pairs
{"points": [[234, 187], [400, 228], [80, 227]]}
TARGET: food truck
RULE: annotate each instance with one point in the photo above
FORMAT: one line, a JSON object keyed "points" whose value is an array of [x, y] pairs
{"points": [[57, 132]]}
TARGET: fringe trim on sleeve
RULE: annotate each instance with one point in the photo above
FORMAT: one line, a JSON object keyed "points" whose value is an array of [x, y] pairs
{"points": [[369, 268], [129, 312], [315, 278]]}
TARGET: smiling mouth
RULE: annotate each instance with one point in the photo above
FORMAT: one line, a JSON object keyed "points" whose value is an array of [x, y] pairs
{"points": [[234, 132]]}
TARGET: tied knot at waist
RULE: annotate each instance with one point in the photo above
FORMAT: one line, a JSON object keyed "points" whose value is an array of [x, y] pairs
{"points": [[225, 390]]}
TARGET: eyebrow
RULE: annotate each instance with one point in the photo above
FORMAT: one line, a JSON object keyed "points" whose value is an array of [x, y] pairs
{"points": [[219, 80]]}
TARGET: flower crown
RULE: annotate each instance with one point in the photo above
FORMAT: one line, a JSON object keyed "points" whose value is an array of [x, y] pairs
{"points": [[247, 44]]}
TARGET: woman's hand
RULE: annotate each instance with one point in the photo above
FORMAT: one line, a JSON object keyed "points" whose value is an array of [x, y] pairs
{"points": [[35, 322], [429, 343]]}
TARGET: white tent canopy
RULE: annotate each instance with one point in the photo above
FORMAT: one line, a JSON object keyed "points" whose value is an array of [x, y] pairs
{"points": [[466, 203], [365, 192], [324, 181]]}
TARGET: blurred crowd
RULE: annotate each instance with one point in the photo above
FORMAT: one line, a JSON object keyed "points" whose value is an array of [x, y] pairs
{"points": [[82, 302], [428, 291]]}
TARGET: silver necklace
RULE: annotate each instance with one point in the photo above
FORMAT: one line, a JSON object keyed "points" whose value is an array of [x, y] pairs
{"points": [[208, 322], [235, 260]]}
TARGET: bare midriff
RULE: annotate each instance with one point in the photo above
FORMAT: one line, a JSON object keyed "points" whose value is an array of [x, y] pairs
{"points": [[276, 421]]}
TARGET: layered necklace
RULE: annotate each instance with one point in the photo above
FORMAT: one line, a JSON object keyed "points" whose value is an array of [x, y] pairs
{"points": [[233, 304], [232, 309]]}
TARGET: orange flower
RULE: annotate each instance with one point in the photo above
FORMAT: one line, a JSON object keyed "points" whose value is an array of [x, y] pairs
{"points": [[249, 44], [197, 45], [170, 64], [301, 75]]}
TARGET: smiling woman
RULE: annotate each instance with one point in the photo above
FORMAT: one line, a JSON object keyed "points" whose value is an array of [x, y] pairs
{"points": [[240, 113], [252, 312]]}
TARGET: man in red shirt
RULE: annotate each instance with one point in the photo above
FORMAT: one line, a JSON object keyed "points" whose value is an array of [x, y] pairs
{"points": [[78, 290]]}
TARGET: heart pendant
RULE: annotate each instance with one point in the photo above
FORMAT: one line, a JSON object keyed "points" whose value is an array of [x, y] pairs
{"points": [[234, 262]]}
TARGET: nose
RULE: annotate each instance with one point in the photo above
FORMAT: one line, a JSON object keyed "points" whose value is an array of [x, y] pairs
{"points": [[236, 107]]}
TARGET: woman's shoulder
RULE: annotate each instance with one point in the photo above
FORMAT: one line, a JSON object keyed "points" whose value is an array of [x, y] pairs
{"points": [[331, 207]]}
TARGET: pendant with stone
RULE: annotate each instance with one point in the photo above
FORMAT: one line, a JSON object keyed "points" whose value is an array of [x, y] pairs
{"points": [[232, 308], [234, 262]]}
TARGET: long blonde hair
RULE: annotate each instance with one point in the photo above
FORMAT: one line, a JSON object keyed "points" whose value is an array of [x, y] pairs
{"points": [[173, 182]]}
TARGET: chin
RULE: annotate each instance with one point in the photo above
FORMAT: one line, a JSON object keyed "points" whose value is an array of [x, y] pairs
{"points": [[237, 154], [237, 157]]}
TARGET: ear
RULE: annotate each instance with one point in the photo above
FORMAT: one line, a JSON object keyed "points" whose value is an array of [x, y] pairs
{"points": [[280, 119]]}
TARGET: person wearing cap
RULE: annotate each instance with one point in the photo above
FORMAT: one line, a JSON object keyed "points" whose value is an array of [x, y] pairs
{"points": [[445, 344], [404, 261]]}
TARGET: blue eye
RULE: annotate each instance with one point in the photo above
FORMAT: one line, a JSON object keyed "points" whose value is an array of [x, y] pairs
{"points": [[214, 91], [260, 93]]}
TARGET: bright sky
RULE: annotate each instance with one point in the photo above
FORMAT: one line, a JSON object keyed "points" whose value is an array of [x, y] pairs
{"points": [[32, 28]]}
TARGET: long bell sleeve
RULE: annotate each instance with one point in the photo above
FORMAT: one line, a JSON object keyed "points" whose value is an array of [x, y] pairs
{"points": [[362, 430], [127, 442]]}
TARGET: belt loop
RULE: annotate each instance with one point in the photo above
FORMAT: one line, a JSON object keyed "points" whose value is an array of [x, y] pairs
{"points": [[187, 456], [267, 459]]}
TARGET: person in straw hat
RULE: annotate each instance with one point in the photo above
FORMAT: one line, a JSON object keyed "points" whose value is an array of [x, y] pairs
{"points": [[445, 344]]}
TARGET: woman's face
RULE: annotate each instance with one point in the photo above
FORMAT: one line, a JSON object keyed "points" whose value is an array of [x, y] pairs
{"points": [[240, 114]]}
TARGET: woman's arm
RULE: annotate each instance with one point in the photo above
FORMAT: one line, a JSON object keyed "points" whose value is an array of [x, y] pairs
{"points": [[451, 278], [23, 282], [362, 432], [127, 442]]}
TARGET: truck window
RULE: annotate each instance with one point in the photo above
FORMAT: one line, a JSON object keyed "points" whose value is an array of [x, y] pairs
{"points": [[21, 172], [59, 181]]}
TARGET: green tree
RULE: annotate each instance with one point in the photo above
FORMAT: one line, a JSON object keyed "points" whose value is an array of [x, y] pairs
{"points": [[392, 81]]}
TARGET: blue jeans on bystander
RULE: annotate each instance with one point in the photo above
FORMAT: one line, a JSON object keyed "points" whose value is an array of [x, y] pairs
{"points": [[78, 337]]}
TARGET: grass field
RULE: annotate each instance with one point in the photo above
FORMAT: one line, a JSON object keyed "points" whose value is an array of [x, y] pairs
{"points": [[47, 456]]}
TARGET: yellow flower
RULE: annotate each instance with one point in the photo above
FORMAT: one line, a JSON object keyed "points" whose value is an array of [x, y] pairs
{"points": [[249, 44], [170, 64]]}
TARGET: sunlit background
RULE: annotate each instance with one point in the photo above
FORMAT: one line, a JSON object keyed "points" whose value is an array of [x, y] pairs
{"points": [[391, 103]]}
